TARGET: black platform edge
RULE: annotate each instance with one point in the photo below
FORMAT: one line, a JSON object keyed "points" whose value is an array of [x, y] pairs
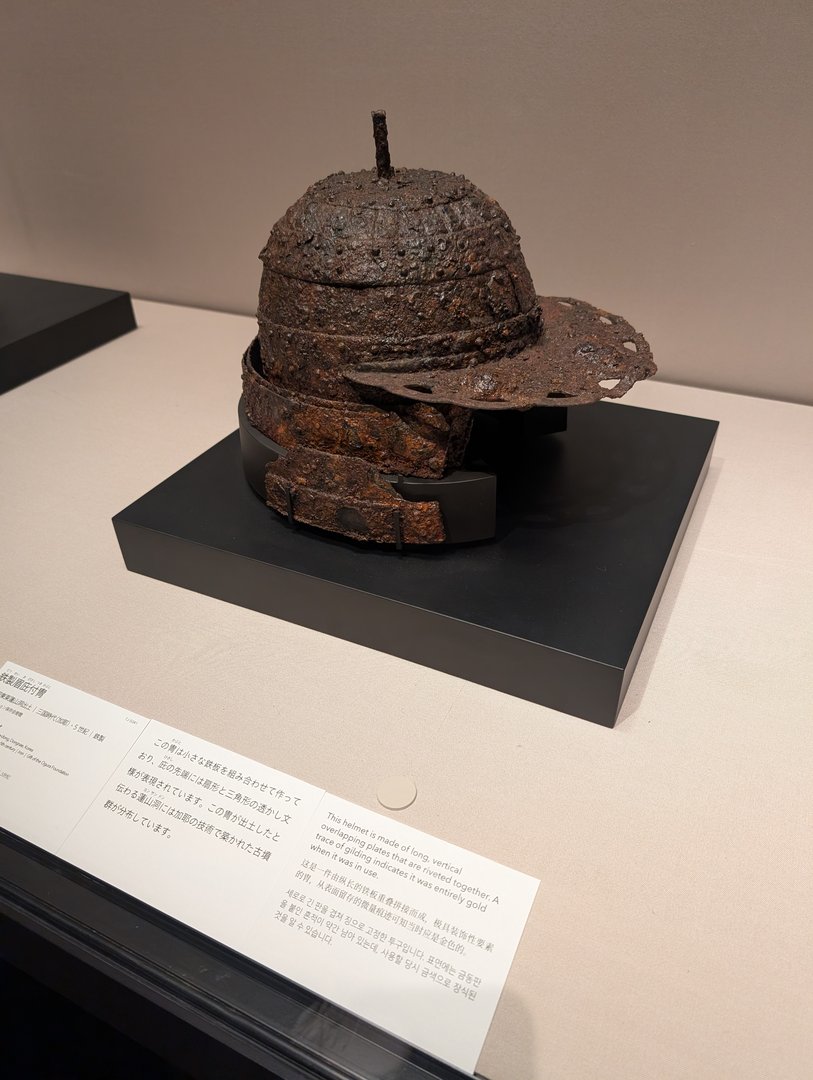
{"points": [[204, 529], [210, 1011], [60, 321]]}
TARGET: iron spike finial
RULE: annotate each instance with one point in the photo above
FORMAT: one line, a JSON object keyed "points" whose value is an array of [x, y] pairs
{"points": [[382, 147]]}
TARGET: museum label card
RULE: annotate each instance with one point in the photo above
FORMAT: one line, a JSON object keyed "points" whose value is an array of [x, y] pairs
{"points": [[324, 888], [58, 746], [428, 930], [210, 824]]}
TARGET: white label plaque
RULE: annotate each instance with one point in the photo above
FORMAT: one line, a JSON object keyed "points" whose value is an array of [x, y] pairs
{"points": [[428, 930], [57, 747], [405, 930], [209, 825]]}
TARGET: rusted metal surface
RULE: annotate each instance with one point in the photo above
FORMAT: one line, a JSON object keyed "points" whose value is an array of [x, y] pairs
{"points": [[362, 270], [409, 437], [392, 303], [345, 495], [583, 354], [383, 165]]}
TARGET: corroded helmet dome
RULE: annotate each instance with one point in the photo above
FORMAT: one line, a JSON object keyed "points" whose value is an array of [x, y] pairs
{"points": [[392, 304], [417, 270]]}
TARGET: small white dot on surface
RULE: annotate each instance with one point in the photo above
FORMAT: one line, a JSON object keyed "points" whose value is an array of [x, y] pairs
{"points": [[397, 792]]}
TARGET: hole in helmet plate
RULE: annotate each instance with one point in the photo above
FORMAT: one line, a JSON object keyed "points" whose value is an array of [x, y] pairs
{"points": [[558, 393]]}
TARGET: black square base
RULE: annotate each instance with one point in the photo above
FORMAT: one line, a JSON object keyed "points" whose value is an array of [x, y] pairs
{"points": [[555, 609], [46, 323]]}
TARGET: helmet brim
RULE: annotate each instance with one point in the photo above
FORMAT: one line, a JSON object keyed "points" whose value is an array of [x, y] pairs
{"points": [[583, 354]]}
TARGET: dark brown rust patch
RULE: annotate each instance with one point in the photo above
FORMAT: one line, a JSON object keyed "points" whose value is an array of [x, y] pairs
{"points": [[584, 354], [395, 312], [408, 437], [345, 495], [317, 362]]}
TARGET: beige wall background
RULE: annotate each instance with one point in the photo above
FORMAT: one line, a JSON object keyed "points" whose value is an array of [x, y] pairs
{"points": [[655, 155]]}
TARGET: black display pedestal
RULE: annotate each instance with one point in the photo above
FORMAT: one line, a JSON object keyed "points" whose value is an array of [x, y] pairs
{"points": [[46, 323], [555, 609]]}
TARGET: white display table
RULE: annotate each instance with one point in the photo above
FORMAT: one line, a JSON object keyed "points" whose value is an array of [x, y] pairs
{"points": [[671, 937]]}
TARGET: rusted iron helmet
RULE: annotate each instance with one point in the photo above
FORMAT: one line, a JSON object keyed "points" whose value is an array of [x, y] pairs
{"points": [[393, 303]]}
